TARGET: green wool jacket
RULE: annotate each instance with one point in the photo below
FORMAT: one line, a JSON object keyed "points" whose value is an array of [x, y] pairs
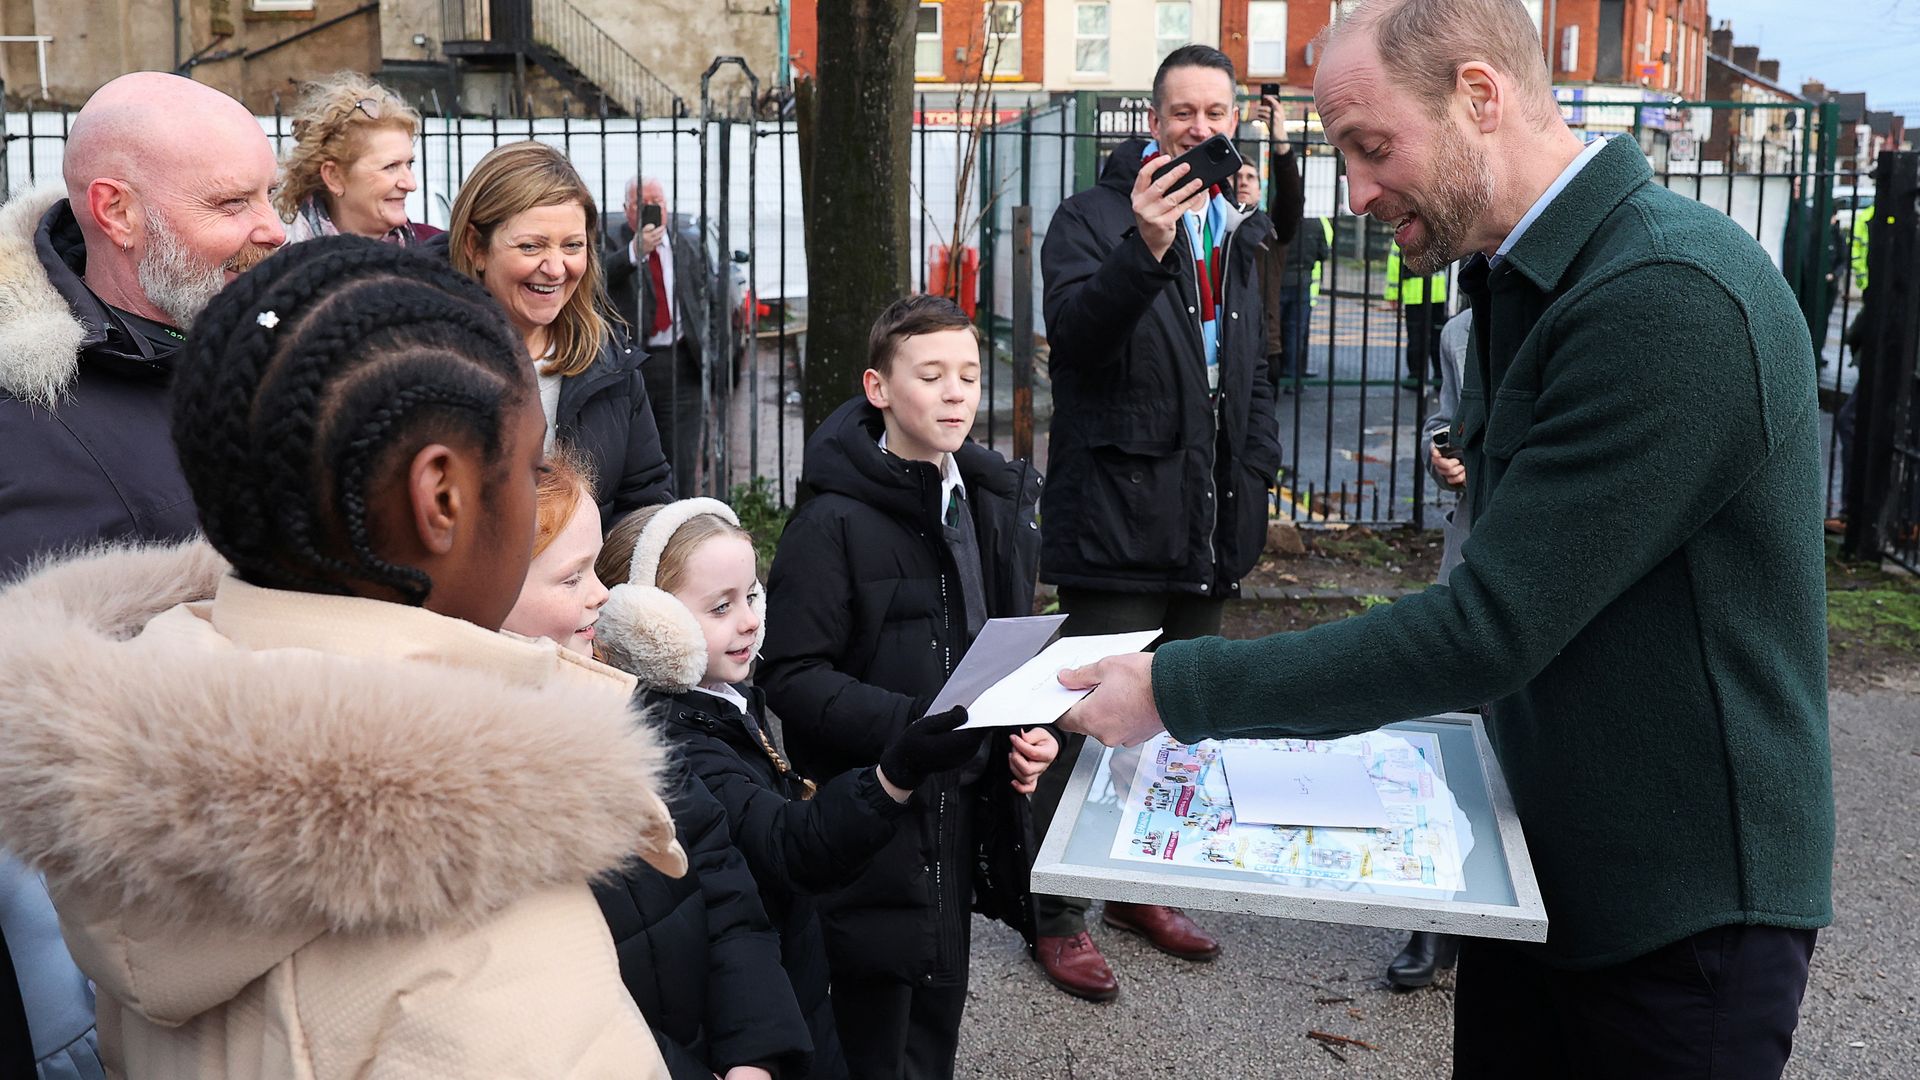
{"points": [[1643, 598]]}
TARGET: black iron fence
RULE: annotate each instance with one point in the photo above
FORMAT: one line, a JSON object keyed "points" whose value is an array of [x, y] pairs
{"points": [[987, 178]]}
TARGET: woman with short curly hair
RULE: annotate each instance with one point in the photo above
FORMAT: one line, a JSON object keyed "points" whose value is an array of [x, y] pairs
{"points": [[351, 166]]}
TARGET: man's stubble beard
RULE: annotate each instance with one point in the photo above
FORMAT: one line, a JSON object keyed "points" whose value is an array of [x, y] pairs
{"points": [[173, 278], [1461, 193]]}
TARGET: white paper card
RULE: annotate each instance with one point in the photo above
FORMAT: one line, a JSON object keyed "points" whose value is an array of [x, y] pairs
{"points": [[1000, 648], [1271, 786], [1032, 694]]}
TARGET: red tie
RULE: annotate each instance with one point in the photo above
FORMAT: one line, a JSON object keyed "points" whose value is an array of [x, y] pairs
{"points": [[662, 315]]}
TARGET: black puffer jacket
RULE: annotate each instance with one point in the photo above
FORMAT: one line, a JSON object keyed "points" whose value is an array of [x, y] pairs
{"points": [[86, 450], [796, 846], [604, 414], [866, 623], [1153, 489], [698, 955]]}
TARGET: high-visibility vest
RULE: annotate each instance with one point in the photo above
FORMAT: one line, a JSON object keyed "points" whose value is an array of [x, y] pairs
{"points": [[1313, 289], [1420, 290], [1862, 222]]}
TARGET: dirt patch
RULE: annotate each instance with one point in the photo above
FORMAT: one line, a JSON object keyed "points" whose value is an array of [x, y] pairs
{"points": [[1355, 560], [1873, 627]]}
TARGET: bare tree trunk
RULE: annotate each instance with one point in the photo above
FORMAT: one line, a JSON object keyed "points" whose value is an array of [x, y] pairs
{"points": [[855, 163]]}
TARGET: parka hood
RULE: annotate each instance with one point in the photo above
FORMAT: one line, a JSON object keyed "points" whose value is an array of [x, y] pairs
{"points": [[202, 809]]}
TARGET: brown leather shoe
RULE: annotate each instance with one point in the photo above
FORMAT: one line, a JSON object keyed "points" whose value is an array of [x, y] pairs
{"points": [[1075, 965], [1168, 929]]}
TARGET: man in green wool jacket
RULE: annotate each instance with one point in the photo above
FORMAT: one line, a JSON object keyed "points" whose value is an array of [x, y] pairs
{"points": [[1642, 602]]}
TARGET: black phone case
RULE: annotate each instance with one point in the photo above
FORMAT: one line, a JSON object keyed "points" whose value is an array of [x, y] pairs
{"points": [[1214, 161]]}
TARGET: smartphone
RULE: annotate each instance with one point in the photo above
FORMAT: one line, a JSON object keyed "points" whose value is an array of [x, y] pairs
{"points": [[650, 214], [1214, 162], [1269, 89]]}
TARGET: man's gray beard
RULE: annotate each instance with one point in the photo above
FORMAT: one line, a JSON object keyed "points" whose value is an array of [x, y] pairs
{"points": [[174, 281], [1462, 191]]}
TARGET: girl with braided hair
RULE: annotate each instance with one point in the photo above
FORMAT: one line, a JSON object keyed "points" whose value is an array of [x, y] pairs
{"points": [[523, 226], [302, 809]]}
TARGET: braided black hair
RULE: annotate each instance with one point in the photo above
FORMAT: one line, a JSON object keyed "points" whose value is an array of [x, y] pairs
{"points": [[302, 379]]}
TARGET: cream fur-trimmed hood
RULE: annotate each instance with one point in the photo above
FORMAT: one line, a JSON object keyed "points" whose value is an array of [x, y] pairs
{"points": [[170, 771], [39, 337]]}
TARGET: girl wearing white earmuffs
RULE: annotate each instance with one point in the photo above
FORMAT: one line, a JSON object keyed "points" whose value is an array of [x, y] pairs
{"points": [[686, 616]]}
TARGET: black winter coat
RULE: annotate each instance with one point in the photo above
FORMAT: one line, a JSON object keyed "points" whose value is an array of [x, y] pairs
{"points": [[99, 464], [866, 624], [605, 415], [698, 956], [796, 846], [1153, 489]]}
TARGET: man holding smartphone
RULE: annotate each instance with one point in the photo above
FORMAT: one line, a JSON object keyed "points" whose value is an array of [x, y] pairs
{"points": [[658, 279], [1163, 448]]}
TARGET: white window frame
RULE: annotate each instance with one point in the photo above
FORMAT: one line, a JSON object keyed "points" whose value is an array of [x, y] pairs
{"points": [[1159, 53], [1105, 39], [939, 43], [999, 50], [1253, 68], [280, 5]]}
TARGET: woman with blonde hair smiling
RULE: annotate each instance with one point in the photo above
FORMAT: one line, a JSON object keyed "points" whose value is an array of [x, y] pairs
{"points": [[351, 166], [523, 226]]}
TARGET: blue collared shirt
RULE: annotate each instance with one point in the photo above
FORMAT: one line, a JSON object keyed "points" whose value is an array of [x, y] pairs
{"points": [[1546, 197]]}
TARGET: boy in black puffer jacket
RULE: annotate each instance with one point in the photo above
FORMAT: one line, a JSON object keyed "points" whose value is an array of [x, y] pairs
{"points": [[908, 540]]}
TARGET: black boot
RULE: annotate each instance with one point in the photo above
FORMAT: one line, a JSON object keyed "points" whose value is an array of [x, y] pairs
{"points": [[1424, 955]]}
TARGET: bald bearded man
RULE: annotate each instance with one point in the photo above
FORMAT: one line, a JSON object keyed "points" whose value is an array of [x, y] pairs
{"points": [[165, 201]]}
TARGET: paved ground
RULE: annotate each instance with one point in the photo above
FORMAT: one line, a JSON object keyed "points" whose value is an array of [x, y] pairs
{"points": [[1247, 1014]]}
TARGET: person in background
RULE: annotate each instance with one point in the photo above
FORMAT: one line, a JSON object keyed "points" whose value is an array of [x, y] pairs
{"points": [[523, 226], [100, 278], [350, 169], [1165, 445], [1286, 206], [1426, 953], [1424, 300], [1299, 292], [660, 280]]}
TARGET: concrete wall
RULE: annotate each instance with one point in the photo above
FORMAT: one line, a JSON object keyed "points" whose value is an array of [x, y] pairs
{"points": [[677, 39], [95, 42]]}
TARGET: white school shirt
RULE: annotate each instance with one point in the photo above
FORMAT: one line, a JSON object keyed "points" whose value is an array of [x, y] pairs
{"points": [[665, 337]]}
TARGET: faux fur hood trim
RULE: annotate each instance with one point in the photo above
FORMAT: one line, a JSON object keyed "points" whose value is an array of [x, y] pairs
{"points": [[173, 771], [39, 337]]}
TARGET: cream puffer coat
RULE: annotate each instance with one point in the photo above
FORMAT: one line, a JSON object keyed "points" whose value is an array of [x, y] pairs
{"points": [[316, 836]]}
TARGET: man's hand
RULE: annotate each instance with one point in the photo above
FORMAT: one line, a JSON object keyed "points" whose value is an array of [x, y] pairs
{"points": [[1157, 204], [649, 238], [1269, 113], [747, 1072], [1032, 752], [1451, 471], [1120, 711]]}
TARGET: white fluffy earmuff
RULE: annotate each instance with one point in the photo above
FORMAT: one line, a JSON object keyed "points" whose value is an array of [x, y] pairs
{"points": [[646, 631]]}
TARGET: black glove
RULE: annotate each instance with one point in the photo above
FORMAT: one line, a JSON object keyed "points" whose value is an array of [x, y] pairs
{"points": [[930, 745]]}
